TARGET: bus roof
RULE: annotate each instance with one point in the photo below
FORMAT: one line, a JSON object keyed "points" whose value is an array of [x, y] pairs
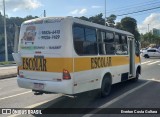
{"points": [[76, 20]]}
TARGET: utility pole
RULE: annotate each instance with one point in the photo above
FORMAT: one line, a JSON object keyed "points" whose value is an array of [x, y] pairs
{"points": [[149, 35], [5, 33], [44, 13], [16, 38], [105, 14]]}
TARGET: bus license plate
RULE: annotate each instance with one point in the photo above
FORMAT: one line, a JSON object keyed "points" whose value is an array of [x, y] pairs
{"points": [[38, 86]]}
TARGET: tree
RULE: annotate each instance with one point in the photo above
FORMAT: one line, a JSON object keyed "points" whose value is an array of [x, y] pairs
{"points": [[83, 18], [97, 19], [149, 38], [111, 20], [118, 25], [10, 32], [130, 24], [30, 17]]}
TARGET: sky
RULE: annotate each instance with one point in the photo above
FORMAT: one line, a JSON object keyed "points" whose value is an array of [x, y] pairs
{"points": [[146, 20]]}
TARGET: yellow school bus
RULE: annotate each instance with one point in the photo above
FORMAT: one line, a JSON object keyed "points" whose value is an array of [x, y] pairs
{"points": [[68, 55]]}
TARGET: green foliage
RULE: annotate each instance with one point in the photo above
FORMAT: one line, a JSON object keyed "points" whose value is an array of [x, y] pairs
{"points": [[95, 19], [119, 25], [111, 20], [83, 18], [129, 24], [149, 38], [6, 63], [10, 23]]}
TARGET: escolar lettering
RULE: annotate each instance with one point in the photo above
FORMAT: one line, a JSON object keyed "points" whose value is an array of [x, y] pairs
{"points": [[100, 62], [35, 64]]}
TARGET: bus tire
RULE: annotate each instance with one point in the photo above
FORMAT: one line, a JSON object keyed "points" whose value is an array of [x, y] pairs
{"points": [[106, 86], [137, 76]]}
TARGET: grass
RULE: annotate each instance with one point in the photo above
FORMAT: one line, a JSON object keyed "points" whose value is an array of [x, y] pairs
{"points": [[6, 63]]}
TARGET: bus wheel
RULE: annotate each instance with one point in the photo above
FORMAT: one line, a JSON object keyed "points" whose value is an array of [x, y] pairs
{"points": [[137, 76], [106, 87]]}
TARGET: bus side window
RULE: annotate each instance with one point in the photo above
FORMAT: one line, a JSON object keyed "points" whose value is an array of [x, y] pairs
{"points": [[106, 43], [79, 38], [124, 39], [90, 34], [124, 45], [101, 37], [109, 43], [116, 39], [85, 41], [78, 33], [137, 48], [109, 37], [90, 44], [117, 44], [121, 44]]}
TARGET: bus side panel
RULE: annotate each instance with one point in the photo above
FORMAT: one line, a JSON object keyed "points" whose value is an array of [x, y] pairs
{"points": [[89, 73], [121, 65], [85, 78]]}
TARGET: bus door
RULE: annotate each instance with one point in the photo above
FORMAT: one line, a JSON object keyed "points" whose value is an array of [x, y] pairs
{"points": [[131, 49]]}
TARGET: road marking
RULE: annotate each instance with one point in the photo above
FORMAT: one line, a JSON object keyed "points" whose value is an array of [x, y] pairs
{"points": [[15, 95], [12, 67], [38, 104], [153, 63], [146, 62], [14, 78], [154, 80], [116, 99]]}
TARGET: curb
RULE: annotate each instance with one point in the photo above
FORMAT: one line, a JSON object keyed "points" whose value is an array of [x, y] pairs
{"points": [[8, 65], [8, 76]]}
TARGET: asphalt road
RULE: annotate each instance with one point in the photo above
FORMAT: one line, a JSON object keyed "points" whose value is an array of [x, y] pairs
{"points": [[141, 94]]}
